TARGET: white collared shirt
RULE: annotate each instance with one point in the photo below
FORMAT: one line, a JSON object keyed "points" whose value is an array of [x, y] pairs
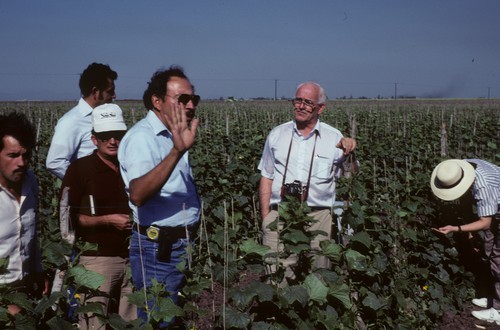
{"points": [[71, 140], [18, 232], [326, 159]]}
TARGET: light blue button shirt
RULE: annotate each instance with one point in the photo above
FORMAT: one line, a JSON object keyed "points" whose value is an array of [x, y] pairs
{"points": [[144, 146], [71, 140]]}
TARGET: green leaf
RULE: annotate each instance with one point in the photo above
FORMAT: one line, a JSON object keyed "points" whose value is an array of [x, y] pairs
{"points": [[165, 309], [91, 307], [316, 290], [136, 298], [295, 293], [363, 238], [299, 248], [342, 294], [411, 234], [355, 260], [116, 322], [57, 323], [4, 263], [331, 250], [296, 236], [241, 298], [236, 319], [373, 302], [20, 299], [4, 314], [264, 291], [412, 206], [250, 246], [47, 302], [86, 278]]}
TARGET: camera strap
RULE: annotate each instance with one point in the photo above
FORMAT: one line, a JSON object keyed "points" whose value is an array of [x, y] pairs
{"points": [[312, 158]]}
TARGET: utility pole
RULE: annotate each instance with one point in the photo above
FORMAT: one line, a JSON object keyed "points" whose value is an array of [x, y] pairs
{"points": [[395, 90], [489, 92], [275, 89]]}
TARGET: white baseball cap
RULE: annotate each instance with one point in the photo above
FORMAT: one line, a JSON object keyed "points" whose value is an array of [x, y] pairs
{"points": [[108, 117], [451, 179]]}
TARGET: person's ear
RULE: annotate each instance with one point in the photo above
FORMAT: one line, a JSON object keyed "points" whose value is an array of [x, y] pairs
{"points": [[156, 101], [321, 108], [94, 140]]}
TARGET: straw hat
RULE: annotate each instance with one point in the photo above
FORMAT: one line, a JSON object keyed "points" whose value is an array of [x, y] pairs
{"points": [[451, 179], [108, 117]]}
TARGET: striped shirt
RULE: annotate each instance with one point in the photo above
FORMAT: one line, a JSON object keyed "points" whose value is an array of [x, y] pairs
{"points": [[486, 187]]}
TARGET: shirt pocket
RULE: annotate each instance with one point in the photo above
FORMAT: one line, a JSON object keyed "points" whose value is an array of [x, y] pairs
{"points": [[323, 166]]}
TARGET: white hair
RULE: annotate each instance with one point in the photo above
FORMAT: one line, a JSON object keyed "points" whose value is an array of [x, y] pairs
{"points": [[321, 97]]}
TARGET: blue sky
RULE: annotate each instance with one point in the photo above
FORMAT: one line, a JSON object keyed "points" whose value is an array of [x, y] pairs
{"points": [[438, 48]]}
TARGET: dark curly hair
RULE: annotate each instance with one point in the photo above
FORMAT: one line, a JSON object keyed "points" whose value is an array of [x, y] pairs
{"points": [[158, 84], [96, 75], [19, 127]]}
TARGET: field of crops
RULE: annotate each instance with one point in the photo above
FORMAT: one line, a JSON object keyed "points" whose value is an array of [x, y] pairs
{"points": [[392, 272]]}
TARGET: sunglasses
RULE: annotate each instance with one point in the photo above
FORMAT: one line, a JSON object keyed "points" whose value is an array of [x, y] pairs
{"points": [[185, 98], [106, 136]]}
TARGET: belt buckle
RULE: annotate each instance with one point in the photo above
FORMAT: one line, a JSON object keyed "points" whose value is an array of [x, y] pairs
{"points": [[153, 233]]}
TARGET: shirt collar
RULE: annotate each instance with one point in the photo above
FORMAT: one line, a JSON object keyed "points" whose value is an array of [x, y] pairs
{"points": [[84, 108], [24, 190], [156, 124], [317, 128]]}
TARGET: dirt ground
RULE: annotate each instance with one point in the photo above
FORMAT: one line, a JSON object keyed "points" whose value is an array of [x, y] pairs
{"points": [[450, 321], [465, 320]]}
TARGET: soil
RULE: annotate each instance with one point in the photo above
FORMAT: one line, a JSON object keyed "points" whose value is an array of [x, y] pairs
{"points": [[212, 301], [464, 320]]}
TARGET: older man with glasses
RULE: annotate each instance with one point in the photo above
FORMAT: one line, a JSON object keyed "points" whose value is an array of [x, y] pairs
{"points": [[300, 159], [99, 210]]}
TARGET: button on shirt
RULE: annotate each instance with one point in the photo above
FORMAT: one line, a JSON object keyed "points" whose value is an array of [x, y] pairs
{"points": [[72, 139], [18, 238], [144, 146], [486, 187], [326, 160]]}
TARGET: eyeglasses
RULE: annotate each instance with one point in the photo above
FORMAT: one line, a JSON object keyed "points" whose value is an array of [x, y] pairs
{"points": [[298, 100], [106, 136], [185, 98]]}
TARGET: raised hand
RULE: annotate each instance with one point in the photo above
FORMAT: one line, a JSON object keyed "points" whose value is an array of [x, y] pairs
{"points": [[183, 130]]}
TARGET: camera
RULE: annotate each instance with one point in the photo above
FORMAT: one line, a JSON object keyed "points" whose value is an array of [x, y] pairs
{"points": [[294, 189]]}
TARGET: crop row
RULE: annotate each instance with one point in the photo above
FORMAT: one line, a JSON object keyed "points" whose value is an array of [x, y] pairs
{"points": [[391, 272]]}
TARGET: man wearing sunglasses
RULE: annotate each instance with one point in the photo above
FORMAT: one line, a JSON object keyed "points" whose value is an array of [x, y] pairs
{"points": [[154, 163], [301, 158], [100, 213]]}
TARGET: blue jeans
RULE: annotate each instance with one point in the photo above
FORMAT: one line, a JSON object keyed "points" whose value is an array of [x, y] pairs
{"points": [[165, 273]]}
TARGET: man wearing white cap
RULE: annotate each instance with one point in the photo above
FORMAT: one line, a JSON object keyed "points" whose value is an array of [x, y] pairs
{"points": [[99, 210], [451, 180]]}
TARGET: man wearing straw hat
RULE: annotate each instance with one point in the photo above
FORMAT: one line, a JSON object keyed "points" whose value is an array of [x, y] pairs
{"points": [[99, 210], [453, 179]]}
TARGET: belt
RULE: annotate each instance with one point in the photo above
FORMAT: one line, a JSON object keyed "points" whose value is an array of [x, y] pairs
{"points": [[153, 232], [274, 207]]}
